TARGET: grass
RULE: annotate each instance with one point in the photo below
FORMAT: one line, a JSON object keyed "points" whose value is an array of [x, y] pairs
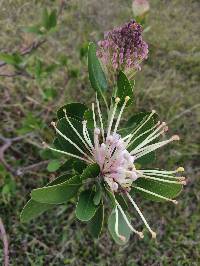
{"points": [[169, 83]]}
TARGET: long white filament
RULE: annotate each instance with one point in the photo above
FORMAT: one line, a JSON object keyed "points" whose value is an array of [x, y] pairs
{"points": [[69, 140], [117, 225], [127, 98], [141, 215], [127, 221], [155, 194], [86, 136], [94, 118], [179, 169], [163, 180], [142, 172], [148, 140], [67, 153], [77, 133], [117, 100], [137, 129], [153, 147], [100, 118], [139, 136]]}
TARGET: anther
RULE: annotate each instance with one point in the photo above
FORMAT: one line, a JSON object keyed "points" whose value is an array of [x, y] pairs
{"points": [[153, 234], [117, 99], [127, 98], [44, 144], [153, 111], [180, 169], [53, 124], [141, 235], [175, 137], [175, 202], [64, 110]]}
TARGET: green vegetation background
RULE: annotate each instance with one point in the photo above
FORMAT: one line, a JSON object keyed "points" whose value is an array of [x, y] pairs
{"points": [[169, 83]]}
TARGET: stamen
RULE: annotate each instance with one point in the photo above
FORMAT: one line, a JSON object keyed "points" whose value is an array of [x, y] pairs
{"points": [[141, 134], [140, 126], [161, 174], [162, 171], [96, 138], [152, 136], [69, 140], [127, 98], [175, 137], [124, 138], [86, 136], [100, 117], [155, 194], [141, 215], [117, 100], [117, 226], [153, 147], [180, 169], [66, 153], [127, 221], [77, 133], [94, 119], [164, 180]]}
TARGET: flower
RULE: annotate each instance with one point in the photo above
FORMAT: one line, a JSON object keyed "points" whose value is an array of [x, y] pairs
{"points": [[123, 48], [140, 7], [116, 161]]}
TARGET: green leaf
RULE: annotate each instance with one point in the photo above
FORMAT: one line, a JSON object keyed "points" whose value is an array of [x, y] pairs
{"points": [[73, 110], [58, 193], [147, 159], [33, 209], [96, 74], [124, 88], [98, 194], [47, 154], [68, 165], [91, 171], [63, 144], [95, 225], [86, 208], [52, 22], [88, 115], [158, 187], [53, 166], [123, 228], [79, 166]]}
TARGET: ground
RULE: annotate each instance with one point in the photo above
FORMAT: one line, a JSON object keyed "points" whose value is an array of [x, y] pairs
{"points": [[168, 82]]}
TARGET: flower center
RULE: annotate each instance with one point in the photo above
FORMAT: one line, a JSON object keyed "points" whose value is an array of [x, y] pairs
{"points": [[116, 163]]}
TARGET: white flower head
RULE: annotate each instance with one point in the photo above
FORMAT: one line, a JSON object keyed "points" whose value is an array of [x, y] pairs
{"points": [[112, 153]]}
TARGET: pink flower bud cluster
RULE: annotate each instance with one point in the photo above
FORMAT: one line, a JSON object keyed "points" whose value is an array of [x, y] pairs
{"points": [[123, 48]]}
